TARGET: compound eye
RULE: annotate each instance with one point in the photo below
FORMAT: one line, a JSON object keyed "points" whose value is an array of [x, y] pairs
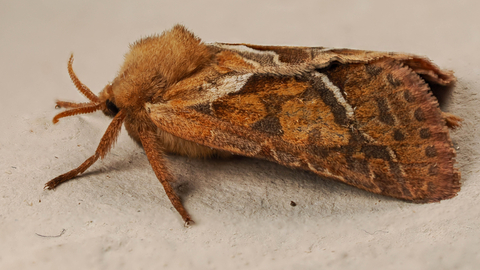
{"points": [[112, 107]]}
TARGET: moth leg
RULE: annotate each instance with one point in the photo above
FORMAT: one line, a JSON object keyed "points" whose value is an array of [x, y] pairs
{"points": [[106, 143], [155, 157]]}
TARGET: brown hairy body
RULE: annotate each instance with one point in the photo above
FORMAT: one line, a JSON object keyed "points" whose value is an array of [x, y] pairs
{"points": [[364, 118]]}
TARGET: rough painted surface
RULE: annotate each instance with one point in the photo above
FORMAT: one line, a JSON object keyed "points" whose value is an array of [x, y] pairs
{"points": [[116, 217]]}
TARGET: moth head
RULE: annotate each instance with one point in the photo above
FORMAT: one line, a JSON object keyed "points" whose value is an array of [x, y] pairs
{"points": [[107, 98], [105, 101]]}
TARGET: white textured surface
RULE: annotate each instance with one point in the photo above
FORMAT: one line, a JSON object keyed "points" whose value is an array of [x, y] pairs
{"points": [[116, 216]]}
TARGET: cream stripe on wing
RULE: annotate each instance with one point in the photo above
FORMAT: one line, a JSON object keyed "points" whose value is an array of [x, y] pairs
{"points": [[337, 93], [245, 49], [225, 86]]}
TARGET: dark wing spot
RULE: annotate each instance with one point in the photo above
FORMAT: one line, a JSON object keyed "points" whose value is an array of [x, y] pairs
{"points": [[398, 135], [408, 96], [376, 151], [204, 108], [431, 151], [393, 81], [269, 124], [425, 133], [419, 115], [385, 115], [373, 70]]}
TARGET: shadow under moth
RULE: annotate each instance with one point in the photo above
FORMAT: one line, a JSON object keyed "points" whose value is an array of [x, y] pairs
{"points": [[364, 118]]}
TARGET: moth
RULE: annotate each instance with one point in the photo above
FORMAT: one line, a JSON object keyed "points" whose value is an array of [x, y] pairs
{"points": [[364, 118]]}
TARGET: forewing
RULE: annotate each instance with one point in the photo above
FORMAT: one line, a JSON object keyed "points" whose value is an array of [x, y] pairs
{"points": [[373, 125], [289, 60]]}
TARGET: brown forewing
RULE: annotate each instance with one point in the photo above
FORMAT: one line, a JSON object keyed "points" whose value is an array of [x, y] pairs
{"points": [[373, 125]]}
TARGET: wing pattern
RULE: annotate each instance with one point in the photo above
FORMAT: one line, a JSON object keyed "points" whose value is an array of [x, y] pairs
{"points": [[364, 118]]}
